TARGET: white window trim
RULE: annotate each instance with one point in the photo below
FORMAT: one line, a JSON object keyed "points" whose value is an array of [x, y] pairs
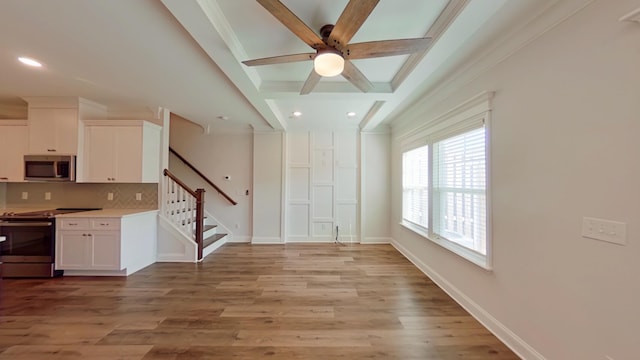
{"points": [[466, 253], [460, 119]]}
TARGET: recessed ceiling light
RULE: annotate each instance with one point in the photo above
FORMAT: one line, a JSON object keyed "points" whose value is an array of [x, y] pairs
{"points": [[297, 113], [29, 62], [351, 114]]}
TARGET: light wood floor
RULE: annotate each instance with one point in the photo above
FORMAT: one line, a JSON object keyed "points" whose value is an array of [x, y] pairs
{"points": [[303, 301]]}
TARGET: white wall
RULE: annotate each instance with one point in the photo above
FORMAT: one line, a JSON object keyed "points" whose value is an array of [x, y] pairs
{"points": [[267, 187], [375, 182], [217, 155], [564, 141]]}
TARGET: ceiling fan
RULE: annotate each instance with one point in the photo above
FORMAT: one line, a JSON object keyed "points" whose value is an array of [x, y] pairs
{"points": [[333, 53]]}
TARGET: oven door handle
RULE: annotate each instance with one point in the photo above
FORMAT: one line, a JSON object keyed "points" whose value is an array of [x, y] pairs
{"points": [[24, 224]]}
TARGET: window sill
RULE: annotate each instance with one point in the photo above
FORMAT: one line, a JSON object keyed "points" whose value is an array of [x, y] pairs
{"points": [[467, 254]]}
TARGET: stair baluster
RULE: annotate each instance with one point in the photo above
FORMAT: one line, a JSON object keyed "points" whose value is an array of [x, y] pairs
{"points": [[185, 207]]}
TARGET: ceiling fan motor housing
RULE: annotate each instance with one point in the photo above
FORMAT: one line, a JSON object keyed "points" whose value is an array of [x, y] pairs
{"points": [[325, 31]]}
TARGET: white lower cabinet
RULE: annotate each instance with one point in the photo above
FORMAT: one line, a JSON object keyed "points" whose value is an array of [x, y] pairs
{"points": [[88, 250], [106, 250], [105, 246], [84, 244]]}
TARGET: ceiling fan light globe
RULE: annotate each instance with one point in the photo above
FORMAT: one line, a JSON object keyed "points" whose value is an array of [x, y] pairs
{"points": [[328, 63]]}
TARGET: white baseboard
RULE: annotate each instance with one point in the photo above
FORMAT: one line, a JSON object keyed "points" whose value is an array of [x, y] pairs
{"points": [[376, 240], [174, 258], [266, 240], [307, 239], [96, 272], [239, 239], [508, 337]]}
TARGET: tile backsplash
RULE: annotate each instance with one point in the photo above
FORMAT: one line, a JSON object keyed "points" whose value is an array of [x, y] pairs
{"points": [[3, 194], [81, 195]]}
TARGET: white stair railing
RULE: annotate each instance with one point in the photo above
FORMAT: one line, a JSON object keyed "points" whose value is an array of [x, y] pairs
{"points": [[184, 207]]}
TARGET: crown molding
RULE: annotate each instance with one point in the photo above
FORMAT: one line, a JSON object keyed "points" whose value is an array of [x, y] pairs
{"points": [[633, 16]]}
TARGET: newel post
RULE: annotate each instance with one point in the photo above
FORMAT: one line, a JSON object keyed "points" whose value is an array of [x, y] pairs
{"points": [[199, 220]]}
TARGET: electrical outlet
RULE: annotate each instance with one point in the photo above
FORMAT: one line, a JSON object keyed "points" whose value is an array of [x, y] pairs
{"points": [[138, 196], [47, 196], [110, 196], [25, 195], [605, 230]]}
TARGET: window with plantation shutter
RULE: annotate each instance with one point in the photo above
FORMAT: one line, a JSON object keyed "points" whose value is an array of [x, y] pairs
{"points": [[445, 181], [459, 190], [415, 187]]}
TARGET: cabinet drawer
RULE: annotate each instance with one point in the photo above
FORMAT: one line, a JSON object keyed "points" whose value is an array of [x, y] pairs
{"points": [[105, 224], [74, 224]]}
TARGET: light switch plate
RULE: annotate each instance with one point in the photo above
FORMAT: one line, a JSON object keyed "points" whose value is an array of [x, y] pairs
{"points": [[47, 196], [138, 196], [605, 230], [25, 195]]}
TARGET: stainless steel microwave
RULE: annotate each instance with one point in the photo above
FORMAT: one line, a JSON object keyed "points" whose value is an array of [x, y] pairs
{"points": [[50, 167]]}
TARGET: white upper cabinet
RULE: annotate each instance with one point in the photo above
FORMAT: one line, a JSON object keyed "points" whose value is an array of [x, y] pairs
{"points": [[53, 131], [13, 145], [121, 151], [54, 123]]}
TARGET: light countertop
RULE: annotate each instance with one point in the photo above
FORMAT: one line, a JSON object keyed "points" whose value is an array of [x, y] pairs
{"points": [[23, 210], [93, 213], [108, 213]]}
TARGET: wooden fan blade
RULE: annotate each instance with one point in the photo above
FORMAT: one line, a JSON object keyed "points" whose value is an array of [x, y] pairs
{"points": [[280, 59], [357, 78], [382, 48], [311, 82], [292, 22], [352, 17]]}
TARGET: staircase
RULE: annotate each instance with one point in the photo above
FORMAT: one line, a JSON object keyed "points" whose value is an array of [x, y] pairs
{"points": [[211, 239], [190, 235]]}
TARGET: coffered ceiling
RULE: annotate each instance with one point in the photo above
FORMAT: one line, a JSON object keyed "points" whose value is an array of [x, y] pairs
{"points": [[136, 56]]}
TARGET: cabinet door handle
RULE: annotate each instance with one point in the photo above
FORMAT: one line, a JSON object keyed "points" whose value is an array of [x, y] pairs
{"points": [[73, 224], [51, 150], [4, 178]]}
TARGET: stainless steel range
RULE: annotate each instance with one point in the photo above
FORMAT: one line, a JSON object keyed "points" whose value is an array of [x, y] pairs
{"points": [[29, 248]]}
